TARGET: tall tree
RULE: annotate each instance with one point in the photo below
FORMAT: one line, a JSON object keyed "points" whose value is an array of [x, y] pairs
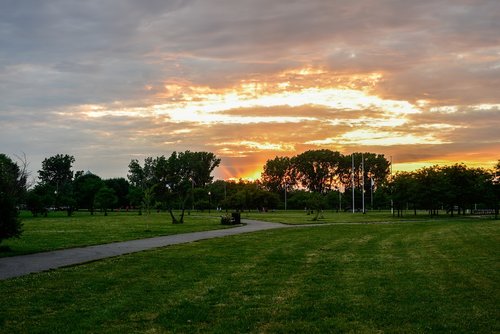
{"points": [[404, 190], [430, 188], [171, 180], [12, 189], [199, 166], [276, 175], [136, 174], [56, 172], [185, 170], [105, 199], [86, 188], [121, 188], [316, 170]]}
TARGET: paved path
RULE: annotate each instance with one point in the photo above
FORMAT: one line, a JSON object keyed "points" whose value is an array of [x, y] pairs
{"points": [[26, 264]]}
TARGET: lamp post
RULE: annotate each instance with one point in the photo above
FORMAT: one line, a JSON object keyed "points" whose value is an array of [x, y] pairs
{"points": [[225, 194], [192, 193], [340, 201], [209, 201], [286, 185]]}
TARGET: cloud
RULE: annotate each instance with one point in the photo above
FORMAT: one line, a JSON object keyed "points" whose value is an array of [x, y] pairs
{"points": [[108, 81]]}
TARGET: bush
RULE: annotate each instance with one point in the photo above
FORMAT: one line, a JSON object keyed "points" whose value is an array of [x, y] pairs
{"points": [[226, 220]]}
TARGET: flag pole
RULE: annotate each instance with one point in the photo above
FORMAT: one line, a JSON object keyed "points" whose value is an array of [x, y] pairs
{"points": [[392, 202], [363, 181], [371, 191], [352, 176]]}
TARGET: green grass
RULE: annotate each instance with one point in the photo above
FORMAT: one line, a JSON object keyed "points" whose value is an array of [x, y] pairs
{"points": [[416, 277], [59, 231], [295, 217]]}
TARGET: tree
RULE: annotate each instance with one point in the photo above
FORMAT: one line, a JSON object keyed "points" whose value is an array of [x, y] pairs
{"points": [[218, 189], [183, 171], [263, 200], [492, 191], [12, 189], [56, 170], [276, 175], [404, 189], [199, 166], [105, 199], [174, 178], [121, 188], [462, 186], [148, 198], [57, 174], [316, 169], [136, 174], [39, 199], [135, 198], [298, 199], [430, 186], [316, 202], [86, 188]]}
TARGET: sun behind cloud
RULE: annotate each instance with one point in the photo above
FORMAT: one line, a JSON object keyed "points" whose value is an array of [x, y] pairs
{"points": [[288, 112]]}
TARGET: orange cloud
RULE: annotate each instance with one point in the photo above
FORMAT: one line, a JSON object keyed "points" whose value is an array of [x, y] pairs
{"points": [[300, 109]]}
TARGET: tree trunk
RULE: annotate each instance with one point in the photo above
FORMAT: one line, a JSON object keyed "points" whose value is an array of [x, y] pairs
{"points": [[174, 220], [181, 221]]}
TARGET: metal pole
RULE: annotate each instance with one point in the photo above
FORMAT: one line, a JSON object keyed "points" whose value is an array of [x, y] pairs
{"points": [[363, 181], [285, 194], [192, 194], [353, 210], [209, 201], [340, 201], [225, 194], [392, 202], [371, 190]]}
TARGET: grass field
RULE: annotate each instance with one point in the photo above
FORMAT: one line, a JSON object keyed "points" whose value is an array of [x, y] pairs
{"points": [[296, 217], [413, 277], [82, 229], [59, 231]]}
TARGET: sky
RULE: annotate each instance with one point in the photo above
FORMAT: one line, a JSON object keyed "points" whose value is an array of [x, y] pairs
{"points": [[115, 80]]}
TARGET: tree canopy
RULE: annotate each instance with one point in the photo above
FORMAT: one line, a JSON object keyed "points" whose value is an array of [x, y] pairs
{"points": [[171, 181], [12, 188], [314, 179]]}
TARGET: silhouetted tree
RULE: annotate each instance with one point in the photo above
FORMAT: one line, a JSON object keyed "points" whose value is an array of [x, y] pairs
{"points": [[12, 189], [174, 178], [121, 188], [105, 199], [57, 175]]}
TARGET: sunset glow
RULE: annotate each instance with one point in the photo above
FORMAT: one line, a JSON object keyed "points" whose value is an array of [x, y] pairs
{"points": [[416, 81]]}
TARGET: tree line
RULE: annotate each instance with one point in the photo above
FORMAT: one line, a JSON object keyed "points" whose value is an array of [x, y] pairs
{"points": [[324, 179], [455, 189], [314, 180]]}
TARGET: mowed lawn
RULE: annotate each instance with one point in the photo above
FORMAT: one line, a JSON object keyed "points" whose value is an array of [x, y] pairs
{"points": [[413, 277], [300, 217], [57, 231]]}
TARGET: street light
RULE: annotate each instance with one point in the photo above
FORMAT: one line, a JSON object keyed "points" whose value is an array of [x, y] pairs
{"points": [[286, 185], [209, 201], [192, 193]]}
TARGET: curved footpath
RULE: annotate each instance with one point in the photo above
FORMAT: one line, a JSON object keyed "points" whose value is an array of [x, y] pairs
{"points": [[26, 264]]}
